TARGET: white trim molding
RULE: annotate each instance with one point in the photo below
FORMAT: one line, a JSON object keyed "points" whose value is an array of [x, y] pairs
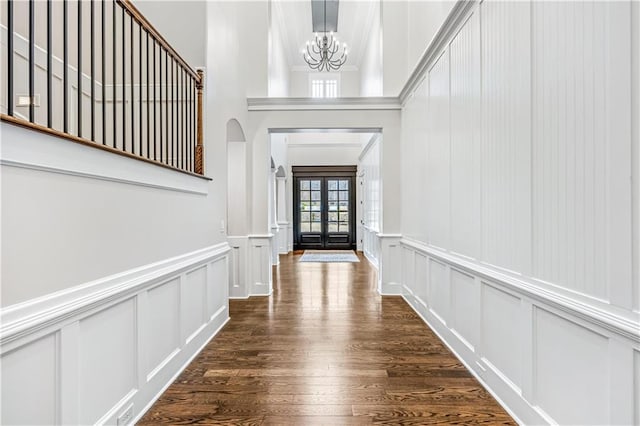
{"points": [[132, 332], [317, 104]]}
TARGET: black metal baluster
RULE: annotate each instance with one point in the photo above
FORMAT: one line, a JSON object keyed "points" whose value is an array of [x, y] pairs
{"points": [[93, 73], [10, 57], [160, 103], [166, 106], [188, 103], [148, 108], [124, 82], [32, 43], [182, 108], [49, 71], [104, 80], [155, 118], [115, 73], [65, 71], [140, 89], [174, 118], [79, 72], [132, 72]]}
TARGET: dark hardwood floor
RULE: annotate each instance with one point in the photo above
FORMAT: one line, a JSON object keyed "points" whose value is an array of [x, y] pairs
{"points": [[325, 349]]}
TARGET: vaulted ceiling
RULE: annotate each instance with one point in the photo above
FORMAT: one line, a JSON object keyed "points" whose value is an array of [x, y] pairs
{"points": [[354, 23]]}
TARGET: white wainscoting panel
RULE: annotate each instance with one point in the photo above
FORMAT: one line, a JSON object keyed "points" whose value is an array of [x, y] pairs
{"points": [[31, 374], [465, 305], [93, 353], [539, 355], [193, 299], [438, 290], [500, 332], [419, 268], [389, 274], [163, 335], [238, 263], [107, 359], [571, 370], [260, 264], [219, 268], [371, 245]]}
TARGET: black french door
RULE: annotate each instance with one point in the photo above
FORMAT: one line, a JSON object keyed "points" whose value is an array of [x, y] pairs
{"points": [[324, 207]]}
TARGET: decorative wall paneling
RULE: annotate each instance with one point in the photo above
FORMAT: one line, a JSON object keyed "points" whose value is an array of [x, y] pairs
{"points": [[238, 268], [389, 281], [544, 359], [516, 241], [107, 349], [259, 256]]}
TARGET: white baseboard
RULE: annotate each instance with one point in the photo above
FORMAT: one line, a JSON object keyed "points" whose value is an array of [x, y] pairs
{"points": [[132, 333]]}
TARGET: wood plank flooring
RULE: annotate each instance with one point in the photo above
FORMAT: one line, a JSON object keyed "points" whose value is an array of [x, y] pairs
{"points": [[325, 349]]}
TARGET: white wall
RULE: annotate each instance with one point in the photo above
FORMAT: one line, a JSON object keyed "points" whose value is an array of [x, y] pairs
{"points": [[424, 18], [371, 63], [522, 246], [394, 46], [278, 66], [191, 45]]}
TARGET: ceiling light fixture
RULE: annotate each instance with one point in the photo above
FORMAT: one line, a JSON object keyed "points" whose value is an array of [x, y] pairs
{"points": [[320, 52]]}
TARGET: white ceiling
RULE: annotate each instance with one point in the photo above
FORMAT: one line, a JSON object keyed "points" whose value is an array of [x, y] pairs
{"points": [[354, 22]]}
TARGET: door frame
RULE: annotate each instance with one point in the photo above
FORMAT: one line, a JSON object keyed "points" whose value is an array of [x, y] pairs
{"points": [[324, 172]]}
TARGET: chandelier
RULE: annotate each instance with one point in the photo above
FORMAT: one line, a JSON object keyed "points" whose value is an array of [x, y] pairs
{"points": [[323, 53]]}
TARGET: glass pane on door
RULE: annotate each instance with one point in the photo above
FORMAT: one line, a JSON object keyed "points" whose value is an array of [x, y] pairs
{"points": [[310, 205]]}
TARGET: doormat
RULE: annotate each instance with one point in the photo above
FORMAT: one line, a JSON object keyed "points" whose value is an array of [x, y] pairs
{"points": [[329, 256]]}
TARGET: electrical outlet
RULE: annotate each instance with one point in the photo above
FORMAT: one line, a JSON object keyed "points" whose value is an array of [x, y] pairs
{"points": [[126, 417]]}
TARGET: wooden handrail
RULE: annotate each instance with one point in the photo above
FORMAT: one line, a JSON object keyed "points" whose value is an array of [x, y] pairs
{"points": [[139, 17]]}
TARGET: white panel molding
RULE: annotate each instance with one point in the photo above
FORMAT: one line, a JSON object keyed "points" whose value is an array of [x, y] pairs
{"points": [[283, 236], [624, 326], [31, 150], [49, 311], [238, 278], [118, 313], [615, 337], [371, 246], [260, 253], [390, 275]]}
